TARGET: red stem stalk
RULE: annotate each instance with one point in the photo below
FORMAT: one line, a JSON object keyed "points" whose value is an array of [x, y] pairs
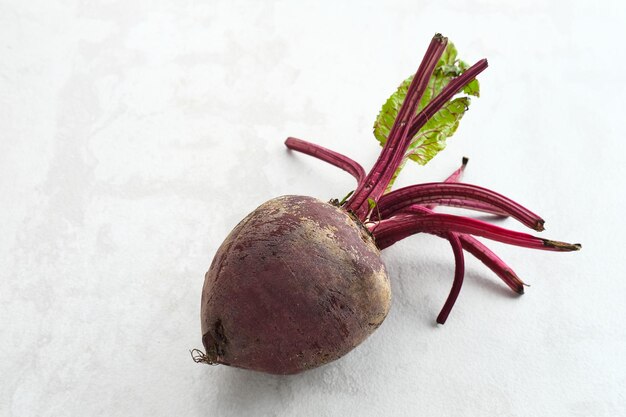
{"points": [[456, 195], [459, 273], [393, 152], [334, 158], [454, 177], [481, 252], [387, 232], [493, 262]]}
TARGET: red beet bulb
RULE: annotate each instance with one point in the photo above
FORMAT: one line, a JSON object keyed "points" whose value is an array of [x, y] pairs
{"points": [[300, 282]]}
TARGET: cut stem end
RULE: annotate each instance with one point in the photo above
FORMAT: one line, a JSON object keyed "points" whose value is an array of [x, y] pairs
{"points": [[562, 246]]}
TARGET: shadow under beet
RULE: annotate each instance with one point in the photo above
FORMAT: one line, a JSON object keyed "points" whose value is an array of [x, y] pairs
{"points": [[242, 392]]}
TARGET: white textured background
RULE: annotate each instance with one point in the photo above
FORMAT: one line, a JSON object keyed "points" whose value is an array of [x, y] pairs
{"points": [[133, 138]]}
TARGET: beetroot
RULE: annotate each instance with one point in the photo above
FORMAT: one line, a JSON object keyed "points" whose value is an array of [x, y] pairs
{"points": [[296, 284], [300, 282]]}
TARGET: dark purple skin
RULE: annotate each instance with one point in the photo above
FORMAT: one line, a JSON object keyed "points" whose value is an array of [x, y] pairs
{"points": [[298, 283]]}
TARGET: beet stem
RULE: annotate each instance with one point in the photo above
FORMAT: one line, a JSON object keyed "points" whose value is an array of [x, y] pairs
{"points": [[389, 231], [459, 273], [379, 186], [470, 205], [477, 249], [454, 177], [457, 195], [393, 152], [334, 158], [446, 94], [482, 253], [493, 262], [458, 173]]}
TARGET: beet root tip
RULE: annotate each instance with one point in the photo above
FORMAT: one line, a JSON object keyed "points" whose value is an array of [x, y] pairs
{"points": [[199, 356]]}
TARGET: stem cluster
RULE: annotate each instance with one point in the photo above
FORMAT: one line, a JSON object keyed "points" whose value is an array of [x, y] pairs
{"points": [[407, 211]]}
